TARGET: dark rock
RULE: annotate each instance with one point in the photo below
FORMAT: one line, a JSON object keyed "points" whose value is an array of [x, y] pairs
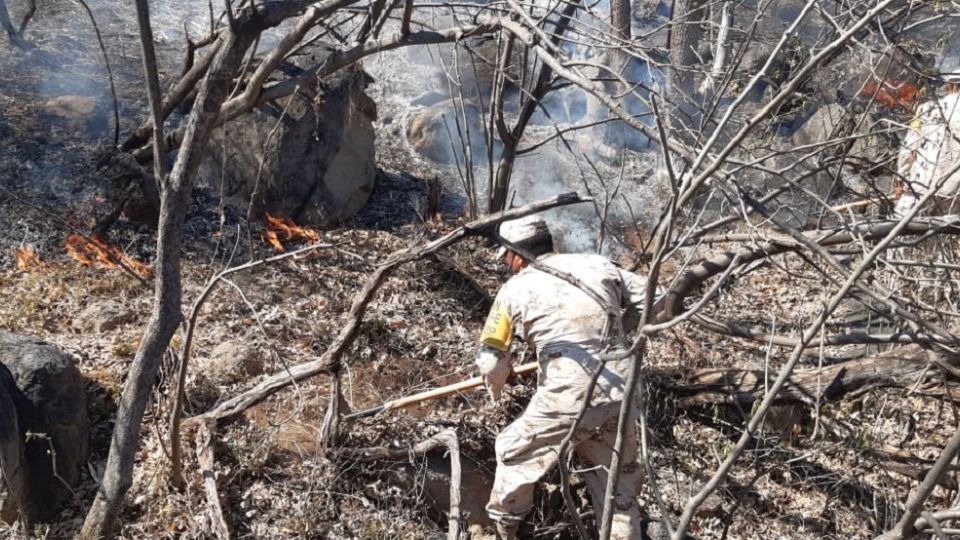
{"points": [[651, 11], [787, 60], [860, 155], [855, 149], [11, 446], [826, 123], [317, 150], [132, 188], [476, 482], [48, 436]]}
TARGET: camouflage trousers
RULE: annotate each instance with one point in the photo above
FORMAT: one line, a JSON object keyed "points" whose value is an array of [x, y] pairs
{"points": [[528, 449]]}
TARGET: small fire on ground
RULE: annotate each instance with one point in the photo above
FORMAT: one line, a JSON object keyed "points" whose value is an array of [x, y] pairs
{"points": [[285, 227], [892, 94], [92, 251], [27, 259]]}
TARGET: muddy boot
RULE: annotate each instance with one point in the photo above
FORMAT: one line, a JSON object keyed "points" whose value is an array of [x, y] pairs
{"points": [[507, 531]]}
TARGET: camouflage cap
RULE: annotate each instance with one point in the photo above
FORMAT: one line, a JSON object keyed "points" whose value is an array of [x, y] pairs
{"points": [[524, 232]]}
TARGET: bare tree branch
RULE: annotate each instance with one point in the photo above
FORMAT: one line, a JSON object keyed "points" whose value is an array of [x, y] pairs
{"points": [[331, 357]]}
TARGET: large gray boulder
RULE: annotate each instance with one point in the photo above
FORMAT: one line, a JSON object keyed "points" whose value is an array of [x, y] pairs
{"points": [[834, 153], [231, 362], [862, 152], [317, 149], [44, 427], [102, 317], [439, 132]]}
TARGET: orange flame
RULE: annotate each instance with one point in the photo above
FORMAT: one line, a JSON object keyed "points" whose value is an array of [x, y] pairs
{"points": [[94, 251], [892, 94], [27, 259], [275, 242], [277, 226]]}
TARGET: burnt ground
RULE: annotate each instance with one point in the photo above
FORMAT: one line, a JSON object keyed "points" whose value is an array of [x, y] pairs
{"points": [[419, 332]]}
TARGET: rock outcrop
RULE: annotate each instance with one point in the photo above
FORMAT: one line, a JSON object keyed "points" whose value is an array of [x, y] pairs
{"points": [[861, 150], [309, 156], [437, 131], [231, 362], [44, 427], [11, 447], [102, 317]]}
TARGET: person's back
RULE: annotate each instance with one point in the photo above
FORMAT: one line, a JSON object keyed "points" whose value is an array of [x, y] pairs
{"points": [[569, 329], [944, 133], [559, 320], [557, 312], [934, 148], [930, 157]]}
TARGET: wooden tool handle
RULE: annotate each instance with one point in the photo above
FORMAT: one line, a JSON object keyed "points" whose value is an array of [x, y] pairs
{"points": [[443, 391], [856, 205], [435, 393]]}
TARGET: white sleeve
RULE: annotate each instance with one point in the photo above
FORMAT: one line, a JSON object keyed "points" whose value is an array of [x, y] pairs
{"points": [[633, 294]]}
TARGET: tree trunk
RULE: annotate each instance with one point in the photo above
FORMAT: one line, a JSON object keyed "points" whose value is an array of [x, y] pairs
{"points": [[498, 195], [101, 520], [501, 185], [685, 37], [721, 51], [620, 22], [7, 25]]}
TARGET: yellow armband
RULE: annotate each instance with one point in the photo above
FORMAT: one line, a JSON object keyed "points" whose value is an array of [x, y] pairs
{"points": [[498, 330]]}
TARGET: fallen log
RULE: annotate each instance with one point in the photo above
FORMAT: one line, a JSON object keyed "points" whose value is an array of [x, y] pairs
{"points": [[218, 524], [693, 277], [903, 367]]}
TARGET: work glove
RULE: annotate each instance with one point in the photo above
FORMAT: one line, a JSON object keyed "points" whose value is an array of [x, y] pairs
{"points": [[495, 368]]}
